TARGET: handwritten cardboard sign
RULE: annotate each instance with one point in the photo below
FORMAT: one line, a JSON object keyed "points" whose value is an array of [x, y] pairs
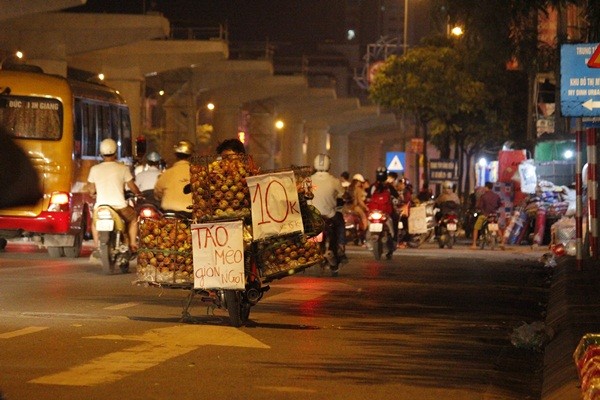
{"points": [[274, 203], [218, 252]]}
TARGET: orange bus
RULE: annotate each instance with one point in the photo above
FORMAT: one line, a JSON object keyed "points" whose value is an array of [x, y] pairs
{"points": [[59, 123]]}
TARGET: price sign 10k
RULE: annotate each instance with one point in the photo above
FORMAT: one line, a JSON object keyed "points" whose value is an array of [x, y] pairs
{"points": [[275, 206]]}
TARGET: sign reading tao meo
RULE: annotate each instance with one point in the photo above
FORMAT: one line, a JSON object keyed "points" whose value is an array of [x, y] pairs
{"points": [[395, 161]]}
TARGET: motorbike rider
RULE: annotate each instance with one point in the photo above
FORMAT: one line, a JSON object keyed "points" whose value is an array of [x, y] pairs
{"points": [[146, 179], [382, 184], [489, 202], [107, 181], [356, 200], [231, 146], [447, 201], [327, 189], [169, 188]]}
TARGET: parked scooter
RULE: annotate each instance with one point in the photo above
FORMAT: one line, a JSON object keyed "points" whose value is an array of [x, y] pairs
{"points": [[381, 234], [447, 224], [426, 226], [489, 232]]}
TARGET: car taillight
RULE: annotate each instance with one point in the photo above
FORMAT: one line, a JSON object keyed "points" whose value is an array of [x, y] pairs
{"points": [[59, 201]]}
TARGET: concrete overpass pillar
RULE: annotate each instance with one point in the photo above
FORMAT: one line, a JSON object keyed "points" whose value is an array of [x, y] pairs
{"points": [[293, 140], [339, 153], [318, 137], [262, 143], [225, 123], [131, 88]]}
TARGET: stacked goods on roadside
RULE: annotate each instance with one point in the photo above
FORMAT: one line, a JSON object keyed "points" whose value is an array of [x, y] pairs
{"points": [[219, 188], [284, 254], [165, 253]]}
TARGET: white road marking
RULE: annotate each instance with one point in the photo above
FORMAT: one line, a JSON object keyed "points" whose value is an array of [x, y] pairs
{"points": [[122, 306], [21, 332], [158, 345]]}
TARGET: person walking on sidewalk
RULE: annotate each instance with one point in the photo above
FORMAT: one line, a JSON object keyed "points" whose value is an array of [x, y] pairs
{"points": [[489, 202]]}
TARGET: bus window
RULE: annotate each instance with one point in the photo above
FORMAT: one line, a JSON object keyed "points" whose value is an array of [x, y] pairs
{"points": [[31, 117], [89, 130], [126, 144], [77, 130]]}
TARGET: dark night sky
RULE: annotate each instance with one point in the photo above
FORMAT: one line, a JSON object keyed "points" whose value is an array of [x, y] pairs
{"points": [[247, 20]]}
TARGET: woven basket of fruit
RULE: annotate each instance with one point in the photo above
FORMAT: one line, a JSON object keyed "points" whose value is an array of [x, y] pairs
{"points": [[165, 254], [219, 188], [284, 255]]}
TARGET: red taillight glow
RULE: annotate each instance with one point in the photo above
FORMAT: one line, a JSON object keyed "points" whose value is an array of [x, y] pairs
{"points": [[148, 212], [59, 201]]}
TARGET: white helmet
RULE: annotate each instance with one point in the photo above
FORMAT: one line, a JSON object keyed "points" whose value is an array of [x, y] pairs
{"points": [[184, 147], [108, 147], [447, 185], [153, 157], [359, 178], [322, 162]]}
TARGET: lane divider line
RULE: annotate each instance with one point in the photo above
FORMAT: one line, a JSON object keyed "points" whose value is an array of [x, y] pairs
{"points": [[21, 332]]}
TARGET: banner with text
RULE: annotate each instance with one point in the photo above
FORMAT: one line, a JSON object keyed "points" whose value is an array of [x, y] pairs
{"points": [[274, 203], [218, 253]]}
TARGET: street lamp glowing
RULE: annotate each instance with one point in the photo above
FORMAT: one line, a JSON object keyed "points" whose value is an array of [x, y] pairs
{"points": [[568, 154], [161, 92], [279, 124], [482, 162], [210, 106], [19, 55], [101, 76], [457, 31]]}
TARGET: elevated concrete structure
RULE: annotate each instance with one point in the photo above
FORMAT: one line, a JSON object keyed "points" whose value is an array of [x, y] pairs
{"points": [[247, 94], [17, 8]]}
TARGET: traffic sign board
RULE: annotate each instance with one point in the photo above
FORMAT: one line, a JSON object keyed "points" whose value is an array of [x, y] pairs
{"points": [[395, 161], [594, 61], [579, 84]]}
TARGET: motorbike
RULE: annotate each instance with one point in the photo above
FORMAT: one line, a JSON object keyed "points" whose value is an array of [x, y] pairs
{"points": [[112, 239], [329, 247], [489, 232], [421, 224], [354, 233], [381, 234], [447, 225], [238, 303]]}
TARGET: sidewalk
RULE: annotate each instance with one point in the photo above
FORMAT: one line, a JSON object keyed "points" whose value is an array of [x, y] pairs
{"points": [[573, 310]]}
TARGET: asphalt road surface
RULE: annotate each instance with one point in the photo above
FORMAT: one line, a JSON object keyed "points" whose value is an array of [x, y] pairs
{"points": [[429, 324]]}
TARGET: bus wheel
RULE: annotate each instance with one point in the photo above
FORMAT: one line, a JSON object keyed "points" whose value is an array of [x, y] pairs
{"points": [[75, 250], [3, 243], [55, 252]]}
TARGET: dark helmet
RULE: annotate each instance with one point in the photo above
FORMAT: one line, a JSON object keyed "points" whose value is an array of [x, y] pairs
{"points": [[381, 174]]}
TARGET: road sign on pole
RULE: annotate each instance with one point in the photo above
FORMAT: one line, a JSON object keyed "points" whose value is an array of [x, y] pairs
{"points": [[594, 61], [579, 84], [395, 161]]}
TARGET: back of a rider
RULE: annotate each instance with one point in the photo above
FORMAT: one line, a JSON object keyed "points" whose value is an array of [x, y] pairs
{"points": [[381, 200]]}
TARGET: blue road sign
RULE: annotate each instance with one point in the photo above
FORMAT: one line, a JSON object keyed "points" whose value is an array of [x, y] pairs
{"points": [[395, 161], [579, 84]]}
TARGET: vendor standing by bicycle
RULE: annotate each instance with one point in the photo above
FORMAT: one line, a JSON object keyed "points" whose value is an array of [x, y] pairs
{"points": [[489, 202]]}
